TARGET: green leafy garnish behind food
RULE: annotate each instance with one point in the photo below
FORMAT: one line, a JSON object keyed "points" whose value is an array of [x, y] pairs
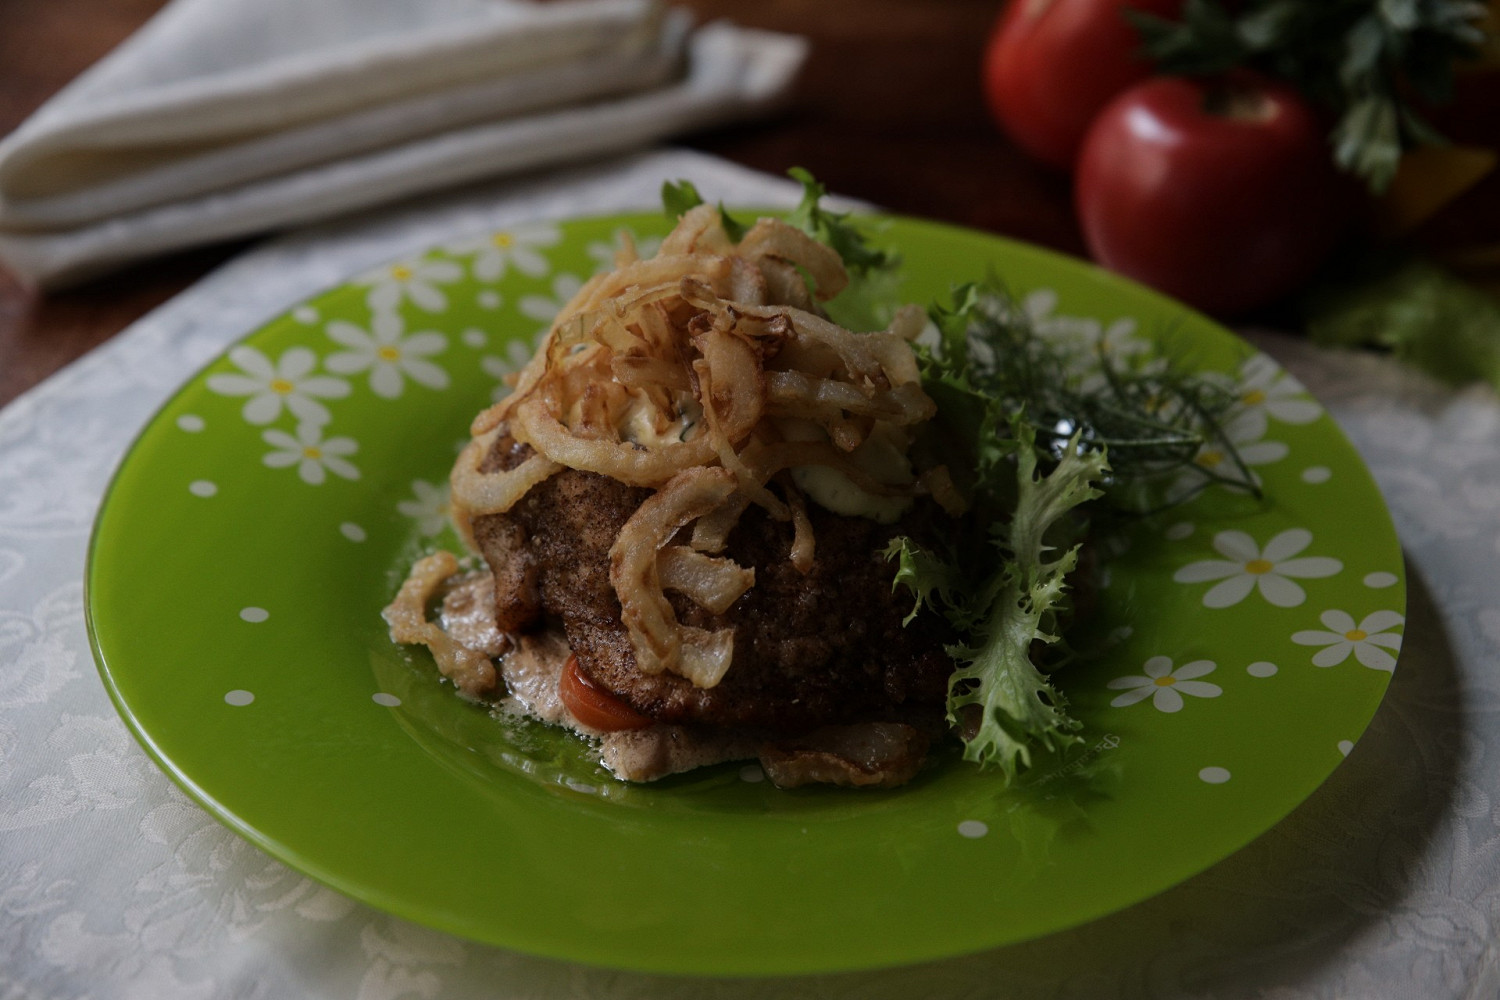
{"points": [[865, 303], [834, 228], [831, 228], [678, 197]]}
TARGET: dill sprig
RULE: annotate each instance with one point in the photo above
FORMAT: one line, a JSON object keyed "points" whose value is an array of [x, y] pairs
{"points": [[1151, 415]]}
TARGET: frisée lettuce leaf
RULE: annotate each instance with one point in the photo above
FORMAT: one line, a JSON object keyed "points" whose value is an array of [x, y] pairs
{"points": [[997, 698], [1005, 590]]}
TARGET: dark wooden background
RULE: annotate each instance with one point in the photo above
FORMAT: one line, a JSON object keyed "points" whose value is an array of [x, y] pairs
{"points": [[888, 109]]}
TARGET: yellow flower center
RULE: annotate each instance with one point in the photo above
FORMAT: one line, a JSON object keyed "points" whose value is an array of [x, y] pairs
{"points": [[1166, 682], [1209, 458], [312, 452], [503, 240], [1356, 635], [281, 386], [1258, 566], [401, 272], [1253, 397], [389, 354]]}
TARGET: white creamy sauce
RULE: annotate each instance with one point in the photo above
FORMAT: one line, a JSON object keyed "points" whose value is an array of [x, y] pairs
{"points": [[882, 455], [468, 616], [638, 425], [531, 670]]}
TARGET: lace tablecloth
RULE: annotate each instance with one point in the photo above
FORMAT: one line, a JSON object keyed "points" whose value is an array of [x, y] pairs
{"points": [[1384, 884]]}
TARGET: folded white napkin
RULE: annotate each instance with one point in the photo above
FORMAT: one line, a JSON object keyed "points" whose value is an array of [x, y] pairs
{"points": [[222, 118]]}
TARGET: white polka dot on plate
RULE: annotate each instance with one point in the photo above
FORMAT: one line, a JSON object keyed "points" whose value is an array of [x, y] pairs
{"points": [[352, 531], [190, 422], [1317, 474], [1261, 668], [752, 773], [475, 338], [490, 300], [254, 615], [1179, 531], [388, 700], [305, 314], [973, 829], [202, 488], [1379, 580], [238, 698], [1345, 746], [1214, 775]]}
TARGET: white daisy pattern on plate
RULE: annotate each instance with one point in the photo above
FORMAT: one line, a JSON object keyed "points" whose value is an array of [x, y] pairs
{"points": [[493, 254], [287, 382], [312, 454], [1267, 392], [417, 280], [388, 353], [428, 506], [1089, 343], [1086, 335], [1119, 344], [1165, 686], [1247, 567], [544, 308], [1115, 347], [1246, 435], [1039, 309], [603, 253], [1370, 640]]}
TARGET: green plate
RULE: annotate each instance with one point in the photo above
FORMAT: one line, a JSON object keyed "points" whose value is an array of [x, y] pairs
{"points": [[268, 512]]}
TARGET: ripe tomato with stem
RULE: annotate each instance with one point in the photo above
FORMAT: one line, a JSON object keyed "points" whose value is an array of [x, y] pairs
{"points": [[1220, 192]]}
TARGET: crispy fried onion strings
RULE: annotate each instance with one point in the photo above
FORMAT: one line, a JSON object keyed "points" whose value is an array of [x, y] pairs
{"points": [[471, 671], [713, 584], [634, 571], [475, 493], [710, 374]]}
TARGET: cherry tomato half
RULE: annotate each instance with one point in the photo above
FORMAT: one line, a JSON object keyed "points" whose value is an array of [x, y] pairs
{"points": [[592, 705], [1221, 193], [1052, 64]]}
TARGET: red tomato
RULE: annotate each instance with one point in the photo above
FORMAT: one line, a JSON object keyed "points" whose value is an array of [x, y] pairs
{"points": [[592, 705], [1052, 64], [1221, 193]]}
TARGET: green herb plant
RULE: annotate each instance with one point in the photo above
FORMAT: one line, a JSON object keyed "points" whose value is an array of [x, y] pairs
{"points": [[1368, 62]]}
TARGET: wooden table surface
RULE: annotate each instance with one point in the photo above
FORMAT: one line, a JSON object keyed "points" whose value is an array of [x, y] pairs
{"points": [[887, 109]]}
